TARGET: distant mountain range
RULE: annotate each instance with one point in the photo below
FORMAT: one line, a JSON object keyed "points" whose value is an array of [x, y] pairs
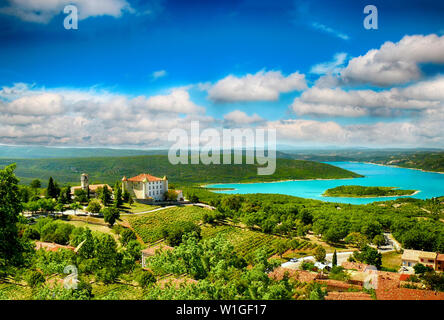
{"points": [[326, 154]]}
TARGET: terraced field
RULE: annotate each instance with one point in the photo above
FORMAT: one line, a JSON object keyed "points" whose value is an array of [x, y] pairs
{"points": [[149, 226], [244, 241]]}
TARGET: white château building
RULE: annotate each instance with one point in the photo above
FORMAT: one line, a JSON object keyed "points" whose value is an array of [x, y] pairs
{"points": [[146, 186]]}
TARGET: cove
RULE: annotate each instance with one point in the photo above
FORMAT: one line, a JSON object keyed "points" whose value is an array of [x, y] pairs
{"points": [[429, 184]]}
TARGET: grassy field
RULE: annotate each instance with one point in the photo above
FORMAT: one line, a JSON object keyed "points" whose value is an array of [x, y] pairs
{"points": [[94, 227], [391, 260], [137, 207], [149, 226], [13, 291], [112, 169]]}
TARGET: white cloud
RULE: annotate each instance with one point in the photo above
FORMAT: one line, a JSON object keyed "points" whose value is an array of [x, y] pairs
{"points": [[159, 74], [262, 86], [43, 11], [326, 29], [93, 118], [422, 96], [331, 66], [395, 63], [426, 132], [178, 101], [240, 117]]}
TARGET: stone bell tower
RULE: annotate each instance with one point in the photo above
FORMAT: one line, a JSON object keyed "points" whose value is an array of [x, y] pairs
{"points": [[84, 181]]}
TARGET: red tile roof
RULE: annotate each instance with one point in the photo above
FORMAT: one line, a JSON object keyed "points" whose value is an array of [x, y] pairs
{"points": [[354, 265], [404, 277], [333, 285], [440, 257], [408, 294], [151, 251], [300, 275], [348, 296], [49, 246], [144, 176]]}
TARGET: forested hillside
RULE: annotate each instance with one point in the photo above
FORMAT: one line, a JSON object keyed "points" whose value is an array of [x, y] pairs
{"points": [[110, 169]]}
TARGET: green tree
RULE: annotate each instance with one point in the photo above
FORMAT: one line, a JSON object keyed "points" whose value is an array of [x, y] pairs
{"points": [[379, 240], [59, 207], [51, 190], [334, 261], [35, 278], [281, 247], [81, 195], [145, 279], [130, 200], [11, 248], [105, 195], [35, 184], [75, 206], [117, 195], [110, 215], [126, 196], [126, 236], [94, 206], [369, 256], [421, 269], [320, 254]]}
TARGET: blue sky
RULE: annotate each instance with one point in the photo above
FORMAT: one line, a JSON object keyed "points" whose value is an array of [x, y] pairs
{"points": [[128, 49]]}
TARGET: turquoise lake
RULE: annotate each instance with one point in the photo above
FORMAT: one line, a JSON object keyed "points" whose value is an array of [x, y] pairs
{"points": [[428, 183]]}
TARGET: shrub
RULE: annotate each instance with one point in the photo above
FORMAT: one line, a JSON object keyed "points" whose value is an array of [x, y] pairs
{"points": [[126, 236], [146, 278], [35, 278]]}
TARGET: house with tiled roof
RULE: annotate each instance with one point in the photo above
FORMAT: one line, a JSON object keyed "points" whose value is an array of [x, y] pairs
{"points": [[430, 259], [148, 187], [91, 189], [440, 262]]}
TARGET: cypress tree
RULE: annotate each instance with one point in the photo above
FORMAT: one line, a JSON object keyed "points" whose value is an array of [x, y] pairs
{"points": [[51, 191], [335, 259]]}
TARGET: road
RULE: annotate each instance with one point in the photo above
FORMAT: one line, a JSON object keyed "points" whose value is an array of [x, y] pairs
{"points": [[342, 257]]}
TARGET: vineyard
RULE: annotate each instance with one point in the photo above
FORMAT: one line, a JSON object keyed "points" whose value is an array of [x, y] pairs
{"points": [[244, 241], [149, 226]]}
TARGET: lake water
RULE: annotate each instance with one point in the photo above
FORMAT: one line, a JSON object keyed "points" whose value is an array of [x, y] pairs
{"points": [[428, 183]]}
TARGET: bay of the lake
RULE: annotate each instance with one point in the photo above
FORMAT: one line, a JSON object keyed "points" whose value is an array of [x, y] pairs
{"points": [[429, 184]]}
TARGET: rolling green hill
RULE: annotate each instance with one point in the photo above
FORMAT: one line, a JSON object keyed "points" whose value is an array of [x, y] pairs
{"points": [[110, 169]]}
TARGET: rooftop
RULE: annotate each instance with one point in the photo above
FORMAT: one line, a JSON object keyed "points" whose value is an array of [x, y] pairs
{"points": [[413, 255], [151, 251], [142, 177], [49, 246], [93, 187]]}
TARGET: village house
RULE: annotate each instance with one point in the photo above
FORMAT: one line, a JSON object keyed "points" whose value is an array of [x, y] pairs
{"points": [[430, 259], [91, 189], [148, 187]]}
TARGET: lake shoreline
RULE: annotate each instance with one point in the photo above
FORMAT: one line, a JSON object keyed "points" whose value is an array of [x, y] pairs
{"points": [[277, 181], [394, 166]]}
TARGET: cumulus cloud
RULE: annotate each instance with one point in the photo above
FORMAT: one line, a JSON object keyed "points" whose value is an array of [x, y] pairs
{"points": [[92, 117], [240, 117], [424, 132], [420, 97], [44, 11], [262, 86], [395, 63]]}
